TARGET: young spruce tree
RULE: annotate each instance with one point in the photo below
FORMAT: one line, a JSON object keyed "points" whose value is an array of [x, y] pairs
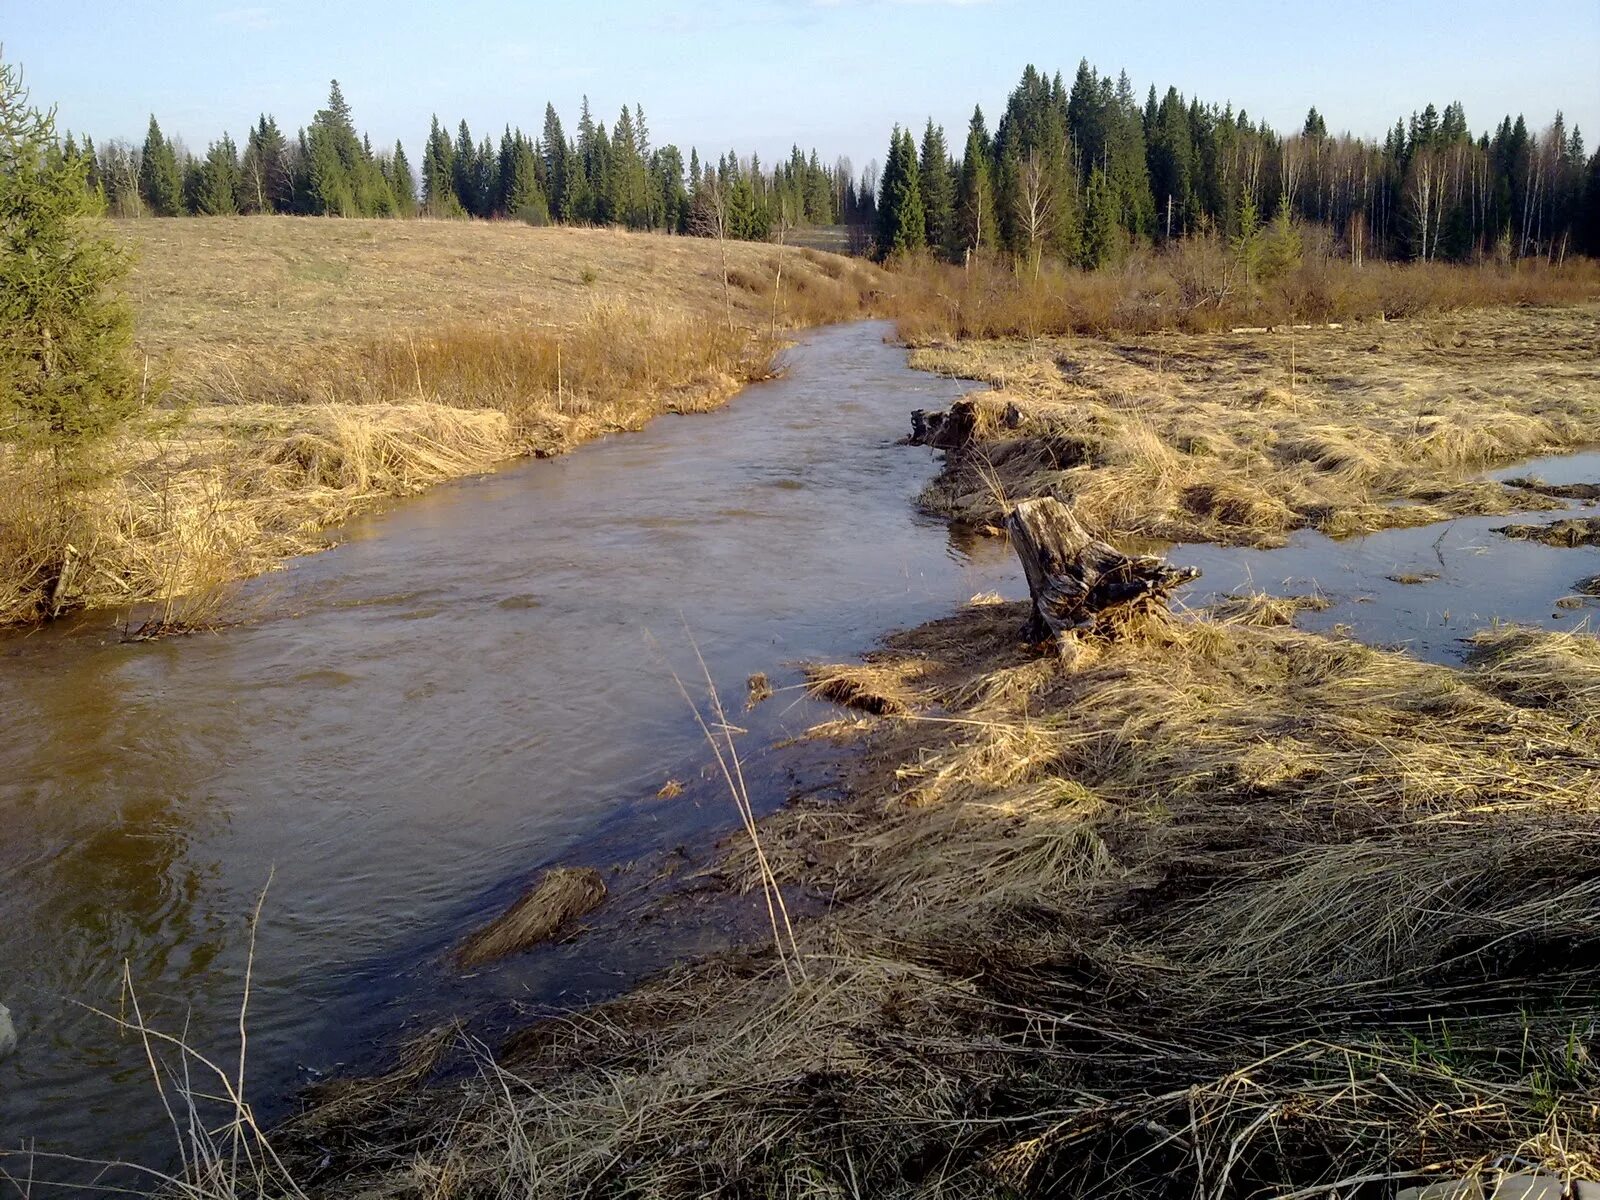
{"points": [[938, 191], [902, 225], [66, 376], [160, 180]]}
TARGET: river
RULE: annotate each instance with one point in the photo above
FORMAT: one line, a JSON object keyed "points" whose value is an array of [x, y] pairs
{"points": [[476, 684], [413, 723]]}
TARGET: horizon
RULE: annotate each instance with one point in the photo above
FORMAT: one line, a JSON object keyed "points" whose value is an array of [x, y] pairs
{"points": [[232, 63]]}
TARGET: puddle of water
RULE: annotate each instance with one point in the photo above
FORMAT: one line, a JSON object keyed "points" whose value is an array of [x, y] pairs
{"points": [[1582, 467], [1424, 590]]}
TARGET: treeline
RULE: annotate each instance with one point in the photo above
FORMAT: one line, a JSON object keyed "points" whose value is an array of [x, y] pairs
{"points": [[598, 177], [1086, 174]]}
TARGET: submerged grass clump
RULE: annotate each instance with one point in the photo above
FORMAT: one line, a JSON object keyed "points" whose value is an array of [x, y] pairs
{"points": [[1568, 531], [561, 896], [1205, 906], [1244, 438]]}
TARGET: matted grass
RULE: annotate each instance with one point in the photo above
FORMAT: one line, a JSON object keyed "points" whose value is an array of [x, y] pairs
{"points": [[1196, 906], [1246, 437]]}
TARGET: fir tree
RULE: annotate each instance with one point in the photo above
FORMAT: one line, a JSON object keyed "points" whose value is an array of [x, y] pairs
{"points": [[340, 172], [975, 210], [556, 165], [464, 172], [1280, 245], [438, 175], [902, 226], [218, 191], [160, 179], [1102, 236], [265, 184], [938, 191], [402, 183]]}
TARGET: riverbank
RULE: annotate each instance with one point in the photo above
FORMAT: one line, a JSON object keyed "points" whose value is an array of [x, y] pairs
{"points": [[1187, 904], [306, 370]]}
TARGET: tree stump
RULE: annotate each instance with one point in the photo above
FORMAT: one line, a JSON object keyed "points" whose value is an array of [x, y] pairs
{"points": [[948, 430], [1073, 576]]}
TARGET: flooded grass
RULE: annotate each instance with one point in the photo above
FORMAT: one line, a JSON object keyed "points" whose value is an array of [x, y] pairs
{"points": [[1194, 903], [1568, 531], [561, 896], [1209, 902]]}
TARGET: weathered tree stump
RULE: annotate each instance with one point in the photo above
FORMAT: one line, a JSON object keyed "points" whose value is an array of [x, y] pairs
{"points": [[951, 429], [1073, 576]]}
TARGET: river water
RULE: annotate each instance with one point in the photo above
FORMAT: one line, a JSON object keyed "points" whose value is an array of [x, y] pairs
{"points": [[474, 685], [413, 723]]}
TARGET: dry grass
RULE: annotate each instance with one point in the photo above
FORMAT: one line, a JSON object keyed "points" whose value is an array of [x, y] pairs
{"points": [[1195, 286], [312, 368], [561, 896], [1243, 438], [1208, 907]]}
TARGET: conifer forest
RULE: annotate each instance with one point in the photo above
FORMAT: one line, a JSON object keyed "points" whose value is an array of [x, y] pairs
{"points": [[1081, 173]]}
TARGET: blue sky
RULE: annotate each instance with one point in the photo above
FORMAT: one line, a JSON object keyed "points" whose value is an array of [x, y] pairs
{"points": [[760, 74]]}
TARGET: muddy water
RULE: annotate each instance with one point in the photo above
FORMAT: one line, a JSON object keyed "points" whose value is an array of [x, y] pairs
{"points": [[460, 693]]}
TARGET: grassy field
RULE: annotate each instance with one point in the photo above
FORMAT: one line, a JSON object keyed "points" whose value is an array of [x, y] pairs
{"points": [[1246, 437], [306, 369], [1197, 905]]}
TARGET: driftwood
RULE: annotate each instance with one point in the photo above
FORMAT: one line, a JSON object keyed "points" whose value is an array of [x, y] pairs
{"points": [[1073, 576]]}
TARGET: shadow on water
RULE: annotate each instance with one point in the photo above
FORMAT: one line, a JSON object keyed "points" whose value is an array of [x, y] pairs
{"points": [[465, 691]]}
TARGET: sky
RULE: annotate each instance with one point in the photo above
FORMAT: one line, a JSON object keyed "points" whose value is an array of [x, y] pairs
{"points": [[763, 74]]}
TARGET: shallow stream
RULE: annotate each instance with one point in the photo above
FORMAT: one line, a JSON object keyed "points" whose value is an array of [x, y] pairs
{"points": [[475, 684]]}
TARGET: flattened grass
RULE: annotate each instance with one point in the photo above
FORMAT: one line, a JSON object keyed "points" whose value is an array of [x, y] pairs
{"points": [[1210, 906], [1222, 438]]}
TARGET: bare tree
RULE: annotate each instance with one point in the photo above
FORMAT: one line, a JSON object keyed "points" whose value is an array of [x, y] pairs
{"points": [[711, 220], [1036, 205]]}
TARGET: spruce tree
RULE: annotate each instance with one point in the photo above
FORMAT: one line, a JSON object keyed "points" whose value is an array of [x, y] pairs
{"points": [[66, 333], [402, 183], [1102, 236], [975, 210], [938, 191], [438, 175], [218, 192], [556, 165], [265, 185], [464, 171], [160, 179], [340, 171], [902, 225]]}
